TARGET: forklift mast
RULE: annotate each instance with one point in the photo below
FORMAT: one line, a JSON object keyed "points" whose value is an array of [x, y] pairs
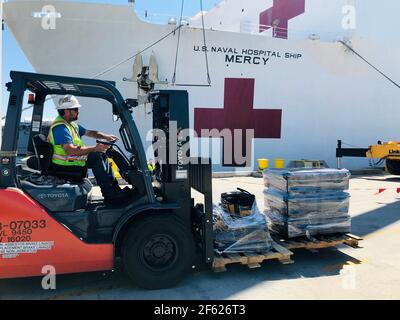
{"points": [[170, 110], [180, 173]]}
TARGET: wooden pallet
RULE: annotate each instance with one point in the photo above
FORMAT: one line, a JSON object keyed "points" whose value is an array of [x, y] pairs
{"points": [[319, 242], [252, 260]]}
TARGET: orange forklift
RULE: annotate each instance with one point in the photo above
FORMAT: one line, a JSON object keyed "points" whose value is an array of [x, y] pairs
{"points": [[50, 218]]}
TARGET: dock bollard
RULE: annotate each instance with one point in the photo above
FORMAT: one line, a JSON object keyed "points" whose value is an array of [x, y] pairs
{"points": [[279, 163], [263, 164]]}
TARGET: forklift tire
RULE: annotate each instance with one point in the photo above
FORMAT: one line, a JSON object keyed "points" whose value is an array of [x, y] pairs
{"points": [[393, 166], [158, 252]]}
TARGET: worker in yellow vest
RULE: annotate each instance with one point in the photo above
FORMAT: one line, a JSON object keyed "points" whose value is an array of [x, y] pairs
{"points": [[70, 152], [151, 166]]}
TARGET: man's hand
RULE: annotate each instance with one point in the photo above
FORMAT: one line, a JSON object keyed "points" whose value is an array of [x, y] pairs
{"points": [[111, 138], [101, 147], [100, 135]]}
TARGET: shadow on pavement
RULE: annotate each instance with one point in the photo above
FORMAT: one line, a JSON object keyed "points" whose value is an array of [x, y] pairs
{"points": [[239, 278], [375, 220], [383, 179], [202, 285]]}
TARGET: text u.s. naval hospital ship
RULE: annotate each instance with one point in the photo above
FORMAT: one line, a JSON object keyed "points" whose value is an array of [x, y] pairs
{"points": [[300, 74]]}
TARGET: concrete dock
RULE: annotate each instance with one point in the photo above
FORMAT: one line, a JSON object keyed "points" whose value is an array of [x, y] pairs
{"points": [[369, 272]]}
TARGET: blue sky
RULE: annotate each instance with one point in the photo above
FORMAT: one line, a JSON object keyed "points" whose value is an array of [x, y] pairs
{"points": [[157, 11]]}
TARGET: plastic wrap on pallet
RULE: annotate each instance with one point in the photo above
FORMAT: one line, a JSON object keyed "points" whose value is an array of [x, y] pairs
{"points": [[307, 226], [244, 234], [307, 202], [300, 180], [313, 204]]}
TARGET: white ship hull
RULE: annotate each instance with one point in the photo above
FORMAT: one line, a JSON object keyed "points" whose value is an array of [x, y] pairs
{"points": [[324, 92]]}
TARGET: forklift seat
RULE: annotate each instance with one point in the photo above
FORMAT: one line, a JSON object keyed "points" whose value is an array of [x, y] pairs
{"points": [[57, 188], [43, 154], [42, 161]]}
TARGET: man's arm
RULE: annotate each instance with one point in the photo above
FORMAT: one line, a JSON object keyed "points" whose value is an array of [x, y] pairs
{"points": [[63, 137], [83, 151], [99, 135]]}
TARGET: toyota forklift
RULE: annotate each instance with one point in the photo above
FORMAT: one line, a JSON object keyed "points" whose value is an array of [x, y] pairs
{"points": [[51, 218]]}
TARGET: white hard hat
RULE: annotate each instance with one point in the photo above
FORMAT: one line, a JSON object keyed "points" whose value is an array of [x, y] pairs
{"points": [[68, 102]]}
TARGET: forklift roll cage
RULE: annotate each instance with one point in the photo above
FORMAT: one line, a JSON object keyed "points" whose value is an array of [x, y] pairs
{"points": [[43, 86]]}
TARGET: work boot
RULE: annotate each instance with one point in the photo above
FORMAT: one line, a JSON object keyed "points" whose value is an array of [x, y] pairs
{"points": [[116, 187]]}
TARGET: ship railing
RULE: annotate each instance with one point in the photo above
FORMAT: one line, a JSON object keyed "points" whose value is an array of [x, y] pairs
{"points": [[247, 27], [160, 18]]}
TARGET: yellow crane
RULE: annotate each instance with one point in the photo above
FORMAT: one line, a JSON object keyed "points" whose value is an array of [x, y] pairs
{"points": [[388, 152]]}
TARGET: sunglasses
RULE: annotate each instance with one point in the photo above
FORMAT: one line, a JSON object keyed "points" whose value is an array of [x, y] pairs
{"points": [[75, 109]]}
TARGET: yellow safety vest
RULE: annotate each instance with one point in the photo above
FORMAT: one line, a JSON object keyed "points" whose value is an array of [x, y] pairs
{"points": [[60, 156]]}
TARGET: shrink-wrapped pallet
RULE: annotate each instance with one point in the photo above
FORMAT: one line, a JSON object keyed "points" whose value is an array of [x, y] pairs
{"points": [[301, 180], [307, 202], [321, 204], [309, 226], [247, 234]]}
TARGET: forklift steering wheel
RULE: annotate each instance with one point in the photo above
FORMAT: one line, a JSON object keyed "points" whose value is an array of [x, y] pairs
{"points": [[107, 143]]}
